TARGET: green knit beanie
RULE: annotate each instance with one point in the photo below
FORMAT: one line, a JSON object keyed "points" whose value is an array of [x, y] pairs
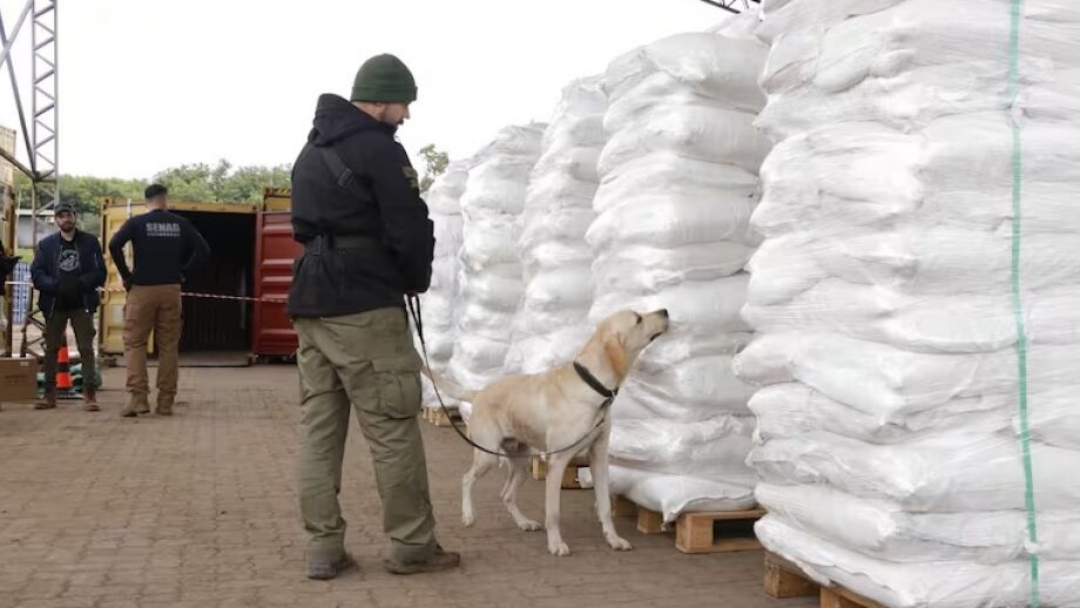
{"points": [[386, 79]]}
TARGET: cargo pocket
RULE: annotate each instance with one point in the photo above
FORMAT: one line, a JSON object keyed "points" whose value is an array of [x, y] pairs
{"points": [[398, 381]]}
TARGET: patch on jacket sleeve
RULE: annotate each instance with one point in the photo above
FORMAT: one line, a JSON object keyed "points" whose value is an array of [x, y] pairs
{"points": [[412, 176]]}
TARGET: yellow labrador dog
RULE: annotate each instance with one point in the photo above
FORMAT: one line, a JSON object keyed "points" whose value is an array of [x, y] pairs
{"points": [[562, 412]]}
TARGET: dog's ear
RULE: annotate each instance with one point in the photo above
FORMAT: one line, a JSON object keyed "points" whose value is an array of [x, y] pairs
{"points": [[613, 350]]}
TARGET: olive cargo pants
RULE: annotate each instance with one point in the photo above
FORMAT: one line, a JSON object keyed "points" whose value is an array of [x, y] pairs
{"points": [[55, 328], [365, 362], [154, 308]]}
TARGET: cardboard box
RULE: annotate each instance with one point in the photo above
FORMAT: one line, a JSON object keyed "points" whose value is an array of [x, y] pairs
{"points": [[18, 380]]}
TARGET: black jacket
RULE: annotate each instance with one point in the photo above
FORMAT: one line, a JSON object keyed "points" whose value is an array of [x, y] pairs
{"points": [[45, 274], [364, 249]]}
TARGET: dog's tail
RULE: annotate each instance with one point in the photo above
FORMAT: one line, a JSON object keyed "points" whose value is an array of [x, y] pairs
{"points": [[448, 386]]}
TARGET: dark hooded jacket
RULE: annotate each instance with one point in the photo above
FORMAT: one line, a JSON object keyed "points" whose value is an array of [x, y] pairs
{"points": [[366, 246]]}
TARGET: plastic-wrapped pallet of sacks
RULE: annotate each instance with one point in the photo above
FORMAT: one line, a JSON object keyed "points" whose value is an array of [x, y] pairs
{"points": [[490, 281], [678, 185], [552, 321], [916, 299], [443, 199]]}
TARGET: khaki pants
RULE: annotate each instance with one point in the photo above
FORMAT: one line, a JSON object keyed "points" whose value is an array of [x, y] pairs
{"points": [[154, 308], [365, 362], [55, 328]]}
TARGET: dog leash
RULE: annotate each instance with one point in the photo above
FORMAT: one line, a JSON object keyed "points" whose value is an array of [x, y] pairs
{"points": [[413, 303]]}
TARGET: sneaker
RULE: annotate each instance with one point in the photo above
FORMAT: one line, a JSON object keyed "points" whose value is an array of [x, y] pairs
{"points": [[325, 572], [439, 561]]}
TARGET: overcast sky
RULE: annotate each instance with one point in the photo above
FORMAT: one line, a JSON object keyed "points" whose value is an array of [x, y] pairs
{"points": [[147, 84]]}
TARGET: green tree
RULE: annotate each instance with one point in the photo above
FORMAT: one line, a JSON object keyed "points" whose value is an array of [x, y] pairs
{"points": [[197, 182], [86, 192], [246, 183], [221, 183], [191, 182], [435, 163], [83, 191]]}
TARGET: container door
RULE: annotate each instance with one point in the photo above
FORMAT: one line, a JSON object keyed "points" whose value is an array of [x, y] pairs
{"points": [[111, 334], [275, 251]]}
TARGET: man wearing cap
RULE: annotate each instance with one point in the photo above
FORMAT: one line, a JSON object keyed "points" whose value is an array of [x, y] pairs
{"points": [[67, 271], [368, 242], [166, 246]]}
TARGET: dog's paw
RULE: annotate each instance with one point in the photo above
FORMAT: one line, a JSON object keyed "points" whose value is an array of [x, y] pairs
{"points": [[530, 526], [559, 549], [619, 544], [468, 520]]}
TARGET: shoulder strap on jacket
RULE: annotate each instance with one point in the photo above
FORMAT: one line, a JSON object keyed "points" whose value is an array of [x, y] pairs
{"points": [[346, 178]]}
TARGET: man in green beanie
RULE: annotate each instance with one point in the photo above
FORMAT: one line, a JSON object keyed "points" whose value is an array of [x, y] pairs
{"points": [[368, 242]]}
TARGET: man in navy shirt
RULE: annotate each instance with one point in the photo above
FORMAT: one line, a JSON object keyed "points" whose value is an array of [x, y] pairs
{"points": [[166, 247]]}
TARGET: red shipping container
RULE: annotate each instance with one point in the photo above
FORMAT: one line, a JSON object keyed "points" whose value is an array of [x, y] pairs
{"points": [[275, 252]]}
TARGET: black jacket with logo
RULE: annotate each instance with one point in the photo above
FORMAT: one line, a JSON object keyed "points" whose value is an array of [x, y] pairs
{"points": [[367, 247], [46, 273], [166, 248]]}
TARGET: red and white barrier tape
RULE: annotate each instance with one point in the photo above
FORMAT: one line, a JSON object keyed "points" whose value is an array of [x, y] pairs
{"points": [[213, 296], [187, 294]]}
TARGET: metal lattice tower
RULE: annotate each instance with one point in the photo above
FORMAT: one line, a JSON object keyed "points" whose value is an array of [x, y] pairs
{"points": [[45, 137], [41, 132], [732, 6], [45, 108]]}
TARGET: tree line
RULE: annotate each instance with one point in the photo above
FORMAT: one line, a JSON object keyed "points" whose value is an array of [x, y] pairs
{"points": [[199, 182], [219, 183]]}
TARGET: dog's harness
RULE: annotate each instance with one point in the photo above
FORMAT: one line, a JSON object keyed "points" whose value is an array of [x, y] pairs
{"points": [[413, 303]]}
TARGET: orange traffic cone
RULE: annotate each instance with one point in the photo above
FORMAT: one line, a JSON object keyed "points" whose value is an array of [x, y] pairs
{"points": [[63, 372]]}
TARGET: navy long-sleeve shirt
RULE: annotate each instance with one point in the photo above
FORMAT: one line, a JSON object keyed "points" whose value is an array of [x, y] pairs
{"points": [[166, 247]]}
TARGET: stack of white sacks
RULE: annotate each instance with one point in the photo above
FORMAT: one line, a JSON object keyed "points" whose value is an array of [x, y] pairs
{"points": [[490, 281], [552, 320], [678, 185], [889, 429], [443, 200]]}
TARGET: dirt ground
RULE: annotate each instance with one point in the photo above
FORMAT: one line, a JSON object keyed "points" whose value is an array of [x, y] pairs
{"points": [[200, 510]]}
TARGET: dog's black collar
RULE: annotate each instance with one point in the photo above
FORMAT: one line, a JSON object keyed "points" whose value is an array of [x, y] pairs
{"points": [[584, 373]]}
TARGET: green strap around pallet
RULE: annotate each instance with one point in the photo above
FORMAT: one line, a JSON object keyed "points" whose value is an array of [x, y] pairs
{"points": [[1017, 304]]}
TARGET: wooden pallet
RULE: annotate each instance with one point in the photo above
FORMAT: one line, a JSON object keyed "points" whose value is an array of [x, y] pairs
{"points": [[438, 417], [698, 533], [784, 579], [570, 475]]}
